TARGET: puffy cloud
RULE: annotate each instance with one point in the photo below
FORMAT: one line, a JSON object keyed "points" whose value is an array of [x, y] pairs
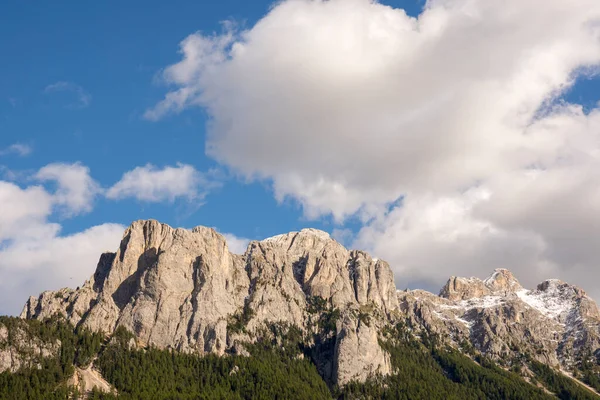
{"points": [[345, 104], [430, 238], [540, 222], [75, 190], [442, 132], [19, 149], [83, 97], [23, 210], [151, 184]]}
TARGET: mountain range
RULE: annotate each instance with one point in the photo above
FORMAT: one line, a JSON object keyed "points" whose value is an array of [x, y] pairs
{"points": [[183, 292]]}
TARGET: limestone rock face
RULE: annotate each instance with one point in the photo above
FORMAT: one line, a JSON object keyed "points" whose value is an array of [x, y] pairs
{"points": [[177, 288], [357, 352]]}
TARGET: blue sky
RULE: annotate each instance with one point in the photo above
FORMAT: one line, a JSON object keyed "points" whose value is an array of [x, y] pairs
{"points": [[78, 79], [113, 51]]}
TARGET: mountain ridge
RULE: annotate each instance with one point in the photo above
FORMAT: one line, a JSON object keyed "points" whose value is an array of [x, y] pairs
{"points": [[183, 289]]}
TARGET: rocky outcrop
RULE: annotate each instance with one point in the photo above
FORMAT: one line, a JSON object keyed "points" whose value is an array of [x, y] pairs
{"points": [[501, 282], [181, 289], [88, 379], [20, 348], [357, 352]]}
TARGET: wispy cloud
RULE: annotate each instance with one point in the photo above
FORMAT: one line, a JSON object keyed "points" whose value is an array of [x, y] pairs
{"points": [[83, 97], [18, 149]]}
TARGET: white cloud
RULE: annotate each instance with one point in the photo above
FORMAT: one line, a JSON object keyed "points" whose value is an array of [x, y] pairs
{"points": [[34, 255], [19, 149], [29, 267], [75, 190], [25, 211], [83, 98], [540, 222], [345, 104], [350, 105], [22, 210], [152, 184], [430, 238], [237, 245]]}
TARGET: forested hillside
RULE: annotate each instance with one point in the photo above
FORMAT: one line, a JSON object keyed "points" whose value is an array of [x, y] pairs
{"points": [[276, 367], [47, 376]]}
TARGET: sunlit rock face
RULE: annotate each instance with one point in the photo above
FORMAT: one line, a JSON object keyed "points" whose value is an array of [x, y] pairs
{"points": [[178, 288]]}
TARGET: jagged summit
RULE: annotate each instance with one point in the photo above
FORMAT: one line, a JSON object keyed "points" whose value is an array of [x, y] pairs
{"points": [[307, 232], [502, 281]]}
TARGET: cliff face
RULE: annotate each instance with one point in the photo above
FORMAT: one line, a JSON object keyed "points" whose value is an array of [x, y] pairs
{"points": [[184, 289], [176, 288]]}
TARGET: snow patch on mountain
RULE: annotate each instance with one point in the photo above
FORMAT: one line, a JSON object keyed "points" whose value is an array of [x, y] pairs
{"points": [[551, 304]]}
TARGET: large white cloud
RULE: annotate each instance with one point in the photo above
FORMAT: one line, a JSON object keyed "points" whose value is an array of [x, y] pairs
{"points": [[349, 105], [542, 221]]}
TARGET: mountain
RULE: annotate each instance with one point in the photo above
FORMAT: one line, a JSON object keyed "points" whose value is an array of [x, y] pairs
{"points": [[181, 289], [184, 291], [558, 324]]}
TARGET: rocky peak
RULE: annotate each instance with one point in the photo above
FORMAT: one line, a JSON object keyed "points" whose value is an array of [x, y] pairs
{"points": [[306, 241], [561, 301], [458, 288], [315, 234], [556, 287], [501, 282]]}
